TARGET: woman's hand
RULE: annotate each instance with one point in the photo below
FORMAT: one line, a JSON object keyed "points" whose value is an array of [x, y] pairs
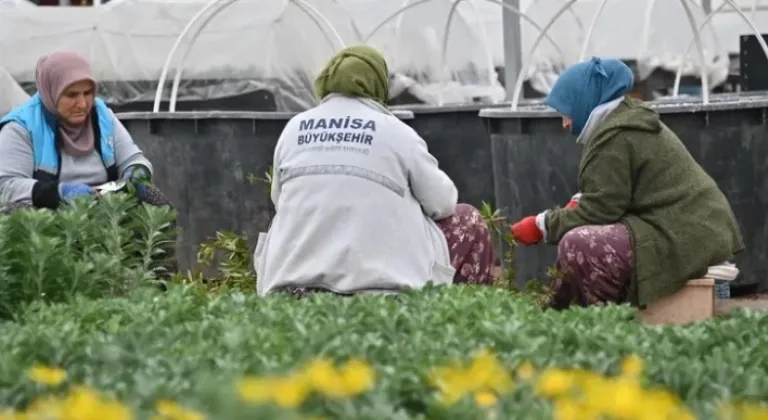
{"points": [[527, 232], [137, 174], [72, 191]]}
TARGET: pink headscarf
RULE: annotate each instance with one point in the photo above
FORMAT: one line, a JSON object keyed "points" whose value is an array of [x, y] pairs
{"points": [[55, 73]]}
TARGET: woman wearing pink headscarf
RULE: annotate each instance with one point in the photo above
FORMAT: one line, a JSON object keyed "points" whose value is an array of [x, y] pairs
{"points": [[64, 140]]}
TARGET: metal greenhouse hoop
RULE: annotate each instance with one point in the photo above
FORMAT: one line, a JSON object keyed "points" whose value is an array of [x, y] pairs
{"points": [[448, 21], [310, 11], [454, 6], [744, 17], [527, 62]]}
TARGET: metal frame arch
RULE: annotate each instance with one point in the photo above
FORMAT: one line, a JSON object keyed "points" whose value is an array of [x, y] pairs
{"points": [[576, 16], [483, 38], [175, 47], [182, 62], [397, 14], [527, 61], [410, 5], [302, 4], [700, 50], [398, 25], [646, 28], [449, 20], [744, 17], [591, 29]]}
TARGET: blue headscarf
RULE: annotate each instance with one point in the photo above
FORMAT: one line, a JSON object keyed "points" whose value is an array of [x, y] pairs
{"points": [[584, 86]]}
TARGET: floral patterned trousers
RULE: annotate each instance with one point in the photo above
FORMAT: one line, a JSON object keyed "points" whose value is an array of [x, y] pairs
{"points": [[470, 245], [595, 265]]}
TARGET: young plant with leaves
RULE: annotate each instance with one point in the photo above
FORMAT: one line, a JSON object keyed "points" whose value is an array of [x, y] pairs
{"points": [[502, 234], [94, 247]]}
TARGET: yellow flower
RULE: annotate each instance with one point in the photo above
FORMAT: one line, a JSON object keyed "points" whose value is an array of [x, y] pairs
{"points": [[354, 378], [485, 371], [567, 409], [627, 399], [291, 391], [45, 407], [13, 415], [485, 399], [554, 383], [84, 403], [451, 382], [632, 366], [322, 376], [357, 377], [170, 410], [526, 371], [47, 375], [483, 375], [256, 390]]}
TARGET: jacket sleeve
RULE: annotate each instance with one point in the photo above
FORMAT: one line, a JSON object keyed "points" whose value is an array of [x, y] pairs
{"points": [[127, 153], [431, 187], [16, 164], [274, 187], [606, 191]]}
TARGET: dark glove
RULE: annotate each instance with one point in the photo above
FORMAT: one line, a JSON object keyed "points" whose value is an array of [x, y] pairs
{"points": [[71, 191], [137, 174], [140, 177]]}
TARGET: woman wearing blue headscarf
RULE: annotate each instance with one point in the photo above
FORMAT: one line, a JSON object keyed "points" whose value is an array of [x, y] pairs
{"points": [[648, 217]]}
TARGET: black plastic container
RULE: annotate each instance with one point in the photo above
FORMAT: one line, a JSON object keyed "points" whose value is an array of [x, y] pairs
{"points": [[203, 162], [460, 142], [535, 168]]}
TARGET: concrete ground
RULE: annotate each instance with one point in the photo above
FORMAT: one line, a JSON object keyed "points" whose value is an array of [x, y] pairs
{"points": [[757, 302]]}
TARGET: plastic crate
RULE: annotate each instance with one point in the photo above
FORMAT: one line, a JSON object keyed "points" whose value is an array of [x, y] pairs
{"points": [[722, 289]]}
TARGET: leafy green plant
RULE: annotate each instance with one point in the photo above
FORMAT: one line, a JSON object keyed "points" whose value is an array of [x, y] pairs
{"points": [[180, 346], [228, 255], [234, 268], [97, 248], [266, 180], [501, 233], [500, 228]]}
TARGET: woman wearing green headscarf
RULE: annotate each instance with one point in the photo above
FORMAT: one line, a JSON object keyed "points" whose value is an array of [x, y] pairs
{"points": [[361, 204]]}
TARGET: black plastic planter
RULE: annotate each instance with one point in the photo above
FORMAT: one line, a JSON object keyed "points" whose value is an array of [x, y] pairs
{"points": [[460, 142], [203, 162], [535, 167]]}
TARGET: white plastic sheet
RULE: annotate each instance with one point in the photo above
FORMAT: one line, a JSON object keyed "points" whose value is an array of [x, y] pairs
{"points": [[275, 45], [11, 94]]}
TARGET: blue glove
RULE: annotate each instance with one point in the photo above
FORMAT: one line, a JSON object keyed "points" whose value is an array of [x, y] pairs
{"points": [[72, 191]]}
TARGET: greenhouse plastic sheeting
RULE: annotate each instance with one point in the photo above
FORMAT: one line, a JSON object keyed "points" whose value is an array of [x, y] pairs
{"points": [[11, 94], [277, 46], [535, 166], [250, 45]]}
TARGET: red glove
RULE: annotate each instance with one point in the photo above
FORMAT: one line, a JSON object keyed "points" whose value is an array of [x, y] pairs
{"points": [[526, 232]]}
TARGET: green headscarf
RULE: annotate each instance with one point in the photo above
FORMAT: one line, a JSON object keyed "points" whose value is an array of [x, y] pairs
{"points": [[357, 71]]}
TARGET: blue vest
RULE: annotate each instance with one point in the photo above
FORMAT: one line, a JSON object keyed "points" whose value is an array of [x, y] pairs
{"points": [[46, 142]]}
